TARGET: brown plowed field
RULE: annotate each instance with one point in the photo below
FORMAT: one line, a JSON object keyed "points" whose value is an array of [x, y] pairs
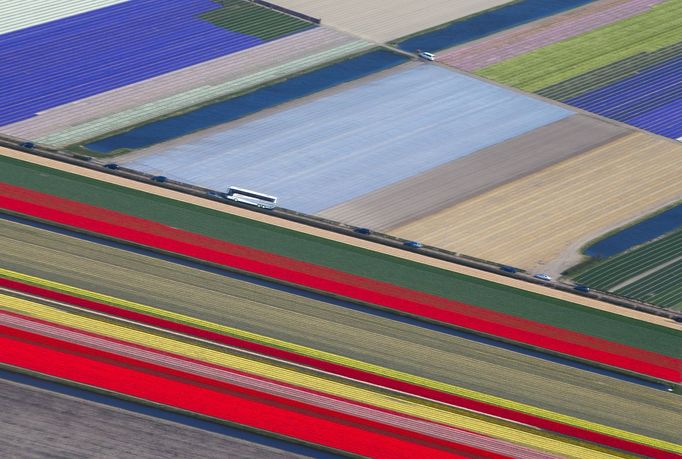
{"points": [[464, 178], [382, 20], [531, 222]]}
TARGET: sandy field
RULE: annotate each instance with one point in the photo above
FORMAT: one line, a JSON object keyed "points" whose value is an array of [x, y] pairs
{"points": [[342, 238], [463, 178], [538, 222], [381, 20]]}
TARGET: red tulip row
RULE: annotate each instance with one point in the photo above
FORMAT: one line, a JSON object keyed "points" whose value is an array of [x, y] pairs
{"points": [[345, 371], [234, 403]]}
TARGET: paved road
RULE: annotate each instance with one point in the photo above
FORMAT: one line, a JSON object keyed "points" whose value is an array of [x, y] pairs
{"points": [[339, 330], [40, 423]]}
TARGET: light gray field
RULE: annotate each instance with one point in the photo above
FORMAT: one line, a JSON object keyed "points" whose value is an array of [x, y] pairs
{"points": [[337, 147], [341, 331], [463, 178], [39, 423]]}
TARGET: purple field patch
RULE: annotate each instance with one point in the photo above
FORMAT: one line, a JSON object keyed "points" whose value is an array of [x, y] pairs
{"points": [[69, 59]]}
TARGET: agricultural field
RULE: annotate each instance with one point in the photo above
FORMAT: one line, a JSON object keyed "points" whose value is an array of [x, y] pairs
{"points": [[507, 16], [139, 320], [651, 272], [381, 21], [507, 44], [374, 337], [619, 59], [339, 256], [226, 48], [303, 324], [539, 222], [239, 106], [458, 180], [365, 137]]}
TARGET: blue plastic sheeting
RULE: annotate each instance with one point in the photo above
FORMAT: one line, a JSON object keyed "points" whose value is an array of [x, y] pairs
{"points": [[640, 233], [650, 99], [190, 421], [333, 149], [238, 107], [62, 61], [488, 23]]}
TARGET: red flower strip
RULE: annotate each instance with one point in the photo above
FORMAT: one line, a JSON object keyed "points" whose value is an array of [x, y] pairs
{"points": [[349, 372], [157, 235], [221, 400]]}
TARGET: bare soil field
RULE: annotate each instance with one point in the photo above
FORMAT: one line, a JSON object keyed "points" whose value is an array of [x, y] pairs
{"points": [[369, 245], [532, 222], [39, 423], [381, 20], [464, 178]]}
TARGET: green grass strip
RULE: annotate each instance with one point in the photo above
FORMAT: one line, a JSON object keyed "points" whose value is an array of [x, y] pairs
{"points": [[255, 20], [647, 32], [343, 257]]}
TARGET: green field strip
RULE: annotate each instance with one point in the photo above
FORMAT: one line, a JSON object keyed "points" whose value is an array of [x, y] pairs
{"points": [[398, 375], [620, 268], [345, 258], [252, 19], [659, 27], [611, 73], [663, 287]]}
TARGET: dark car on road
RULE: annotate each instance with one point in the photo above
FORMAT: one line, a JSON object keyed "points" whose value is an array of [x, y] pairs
{"points": [[509, 269]]}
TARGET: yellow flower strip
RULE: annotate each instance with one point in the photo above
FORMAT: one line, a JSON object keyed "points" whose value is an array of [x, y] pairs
{"points": [[413, 407]]}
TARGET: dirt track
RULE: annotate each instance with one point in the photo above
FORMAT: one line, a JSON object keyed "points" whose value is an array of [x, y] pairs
{"points": [[340, 238]]}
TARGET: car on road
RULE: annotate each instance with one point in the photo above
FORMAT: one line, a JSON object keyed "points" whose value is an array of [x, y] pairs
{"points": [[544, 277], [413, 244], [509, 269], [362, 231], [581, 288], [29, 145], [426, 56], [159, 178], [112, 166]]}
